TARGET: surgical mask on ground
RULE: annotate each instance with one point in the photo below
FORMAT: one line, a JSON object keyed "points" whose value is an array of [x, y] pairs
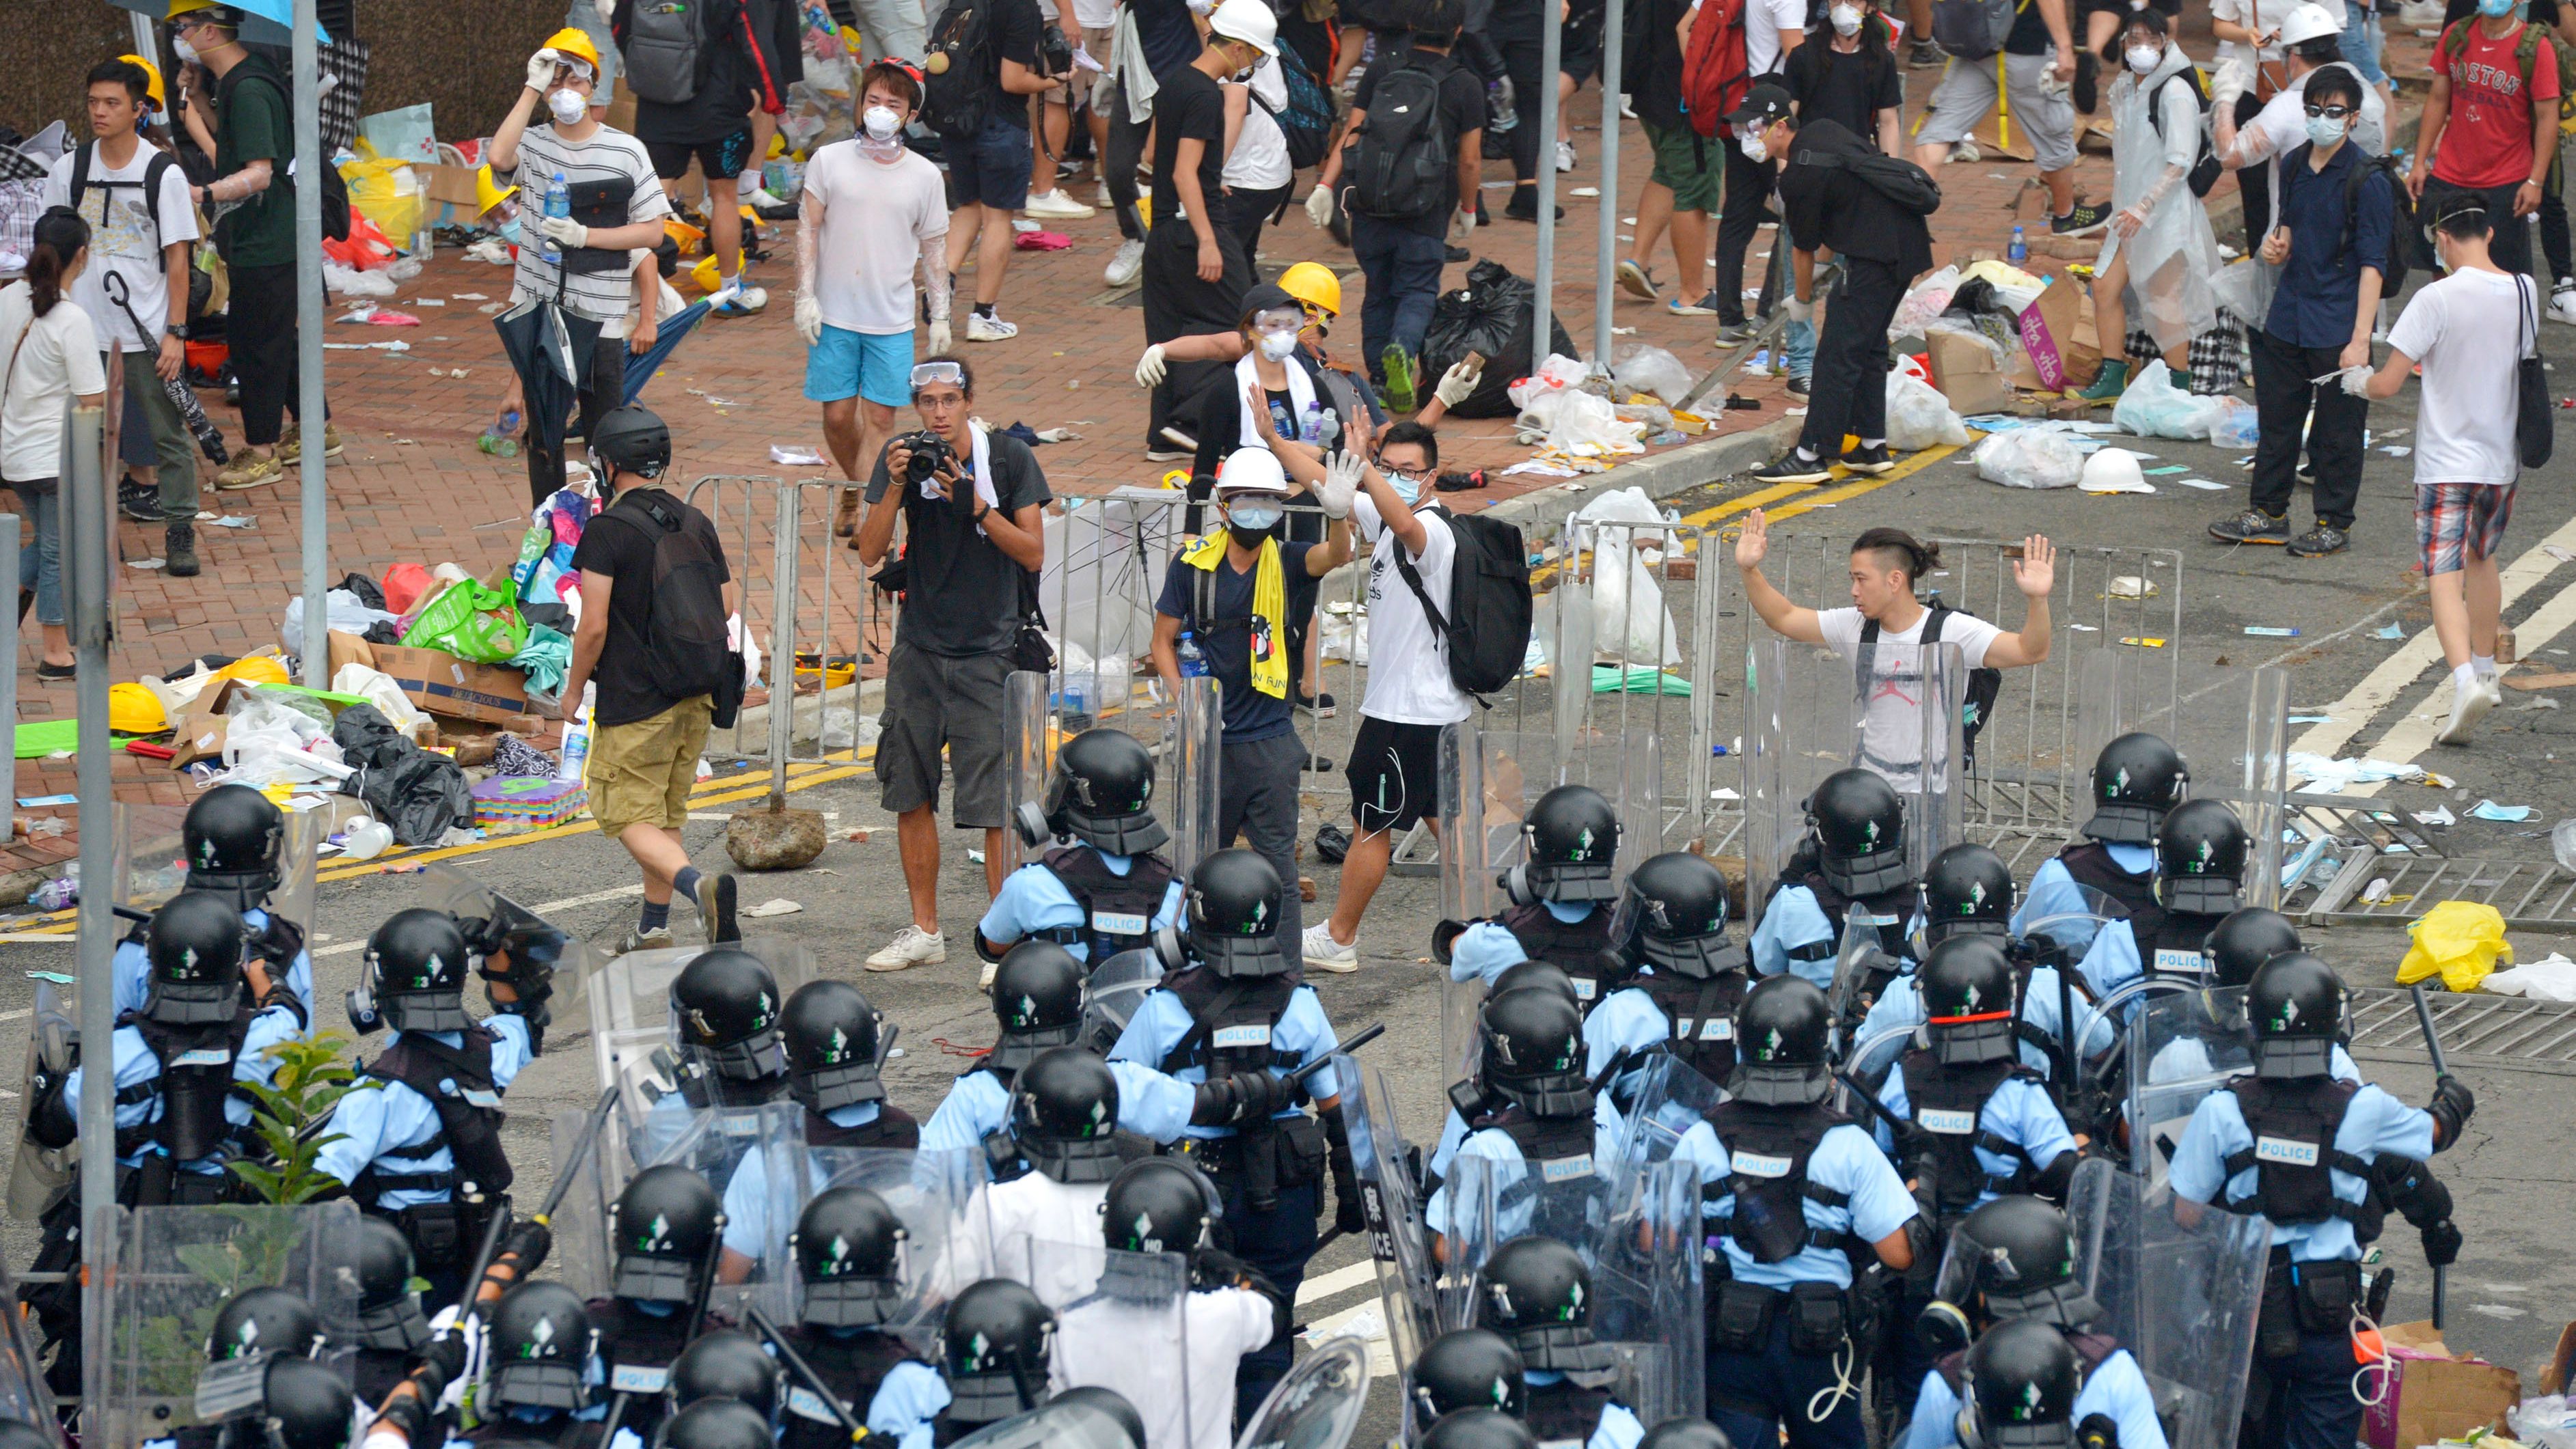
{"points": [[568, 106], [882, 122], [1407, 486], [1754, 150], [2324, 130], [2144, 58], [1278, 346], [1846, 20], [1249, 517]]}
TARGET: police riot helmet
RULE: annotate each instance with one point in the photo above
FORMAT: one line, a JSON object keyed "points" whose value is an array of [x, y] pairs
{"points": [[2136, 779], [303, 1405], [1469, 1368], [1967, 988], [849, 1248], [993, 1349], [541, 1342], [832, 1045], [1571, 838], [1156, 1205], [2021, 1383], [2013, 1257], [261, 1321], [1686, 1434], [1478, 1429], [416, 966], [1859, 828], [388, 1310], [1541, 975], [1233, 915], [632, 439], [1037, 998], [2295, 1004], [194, 947], [725, 1363], [724, 1006], [2243, 940], [663, 1230], [718, 1423], [1672, 916], [1780, 1031], [1064, 1114], [234, 837], [1111, 1405], [1532, 1052], [1537, 1294], [1101, 794], [1967, 890], [2201, 849]]}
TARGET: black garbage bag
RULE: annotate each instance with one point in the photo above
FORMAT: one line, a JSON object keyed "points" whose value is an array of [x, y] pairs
{"points": [[417, 794], [385, 631], [367, 590], [1489, 315]]}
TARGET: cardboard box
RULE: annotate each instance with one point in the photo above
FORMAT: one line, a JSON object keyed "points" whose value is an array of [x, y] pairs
{"points": [[2057, 336], [447, 194], [198, 737], [443, 684], [2436, 1396], [1964, 369]]}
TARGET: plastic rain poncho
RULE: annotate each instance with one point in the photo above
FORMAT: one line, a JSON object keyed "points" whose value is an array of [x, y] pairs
{"points": [[2174, 254]]}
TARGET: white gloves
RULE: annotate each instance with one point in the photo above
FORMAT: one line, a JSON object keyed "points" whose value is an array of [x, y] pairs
{"points": [[941, 339], [2356, 379], [1151, 367], [1462, 224], [1319, 207], [1800, 311], [809, 319], [1457, 384], [1341, 483], [563, 231], [541, 69]]}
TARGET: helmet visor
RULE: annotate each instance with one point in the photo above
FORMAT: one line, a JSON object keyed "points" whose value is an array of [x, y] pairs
{"points": [[394, 1325], [1569, 884], [1233, 956], [2121, 823], [1014, 1049], [538, 1384], [831, 1088], [427, 1011], [192, 1003], [851, 1301], [641, 1279]]}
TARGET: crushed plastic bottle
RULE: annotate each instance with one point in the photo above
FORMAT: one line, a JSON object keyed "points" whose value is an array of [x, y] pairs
{"points": [[501, 440], [55, 894]]}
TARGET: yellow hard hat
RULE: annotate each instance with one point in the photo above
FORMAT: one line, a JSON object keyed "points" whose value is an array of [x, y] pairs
{"points": [[572, 42], [1314, 284], [131, 710], [154, 72], [489, 193], [190, 7]]}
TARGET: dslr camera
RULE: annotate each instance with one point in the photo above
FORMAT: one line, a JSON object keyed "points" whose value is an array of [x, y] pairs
{"points": [[929, 453]]}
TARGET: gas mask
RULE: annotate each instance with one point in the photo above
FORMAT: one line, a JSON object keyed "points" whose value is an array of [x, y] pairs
{"points": [[1252, 520], [567, 105]]}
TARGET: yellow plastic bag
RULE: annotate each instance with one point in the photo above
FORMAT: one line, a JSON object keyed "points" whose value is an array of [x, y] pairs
{"points": [[385, 192], [2462, 940]]}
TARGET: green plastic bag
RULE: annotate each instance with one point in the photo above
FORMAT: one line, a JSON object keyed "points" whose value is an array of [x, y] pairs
{"points": [[472, 621]]}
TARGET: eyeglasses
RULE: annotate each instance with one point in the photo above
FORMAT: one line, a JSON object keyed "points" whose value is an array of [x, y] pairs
{"points": [[926, 373], [2333, 113]]}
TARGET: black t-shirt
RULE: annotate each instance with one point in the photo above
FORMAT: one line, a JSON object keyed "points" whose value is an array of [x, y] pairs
{"points": [[1836, 208], [1166, 33], [1016, 27], [722, 104], [1849, 90], [1226, 636], [1653, 59], [619, 543], [961, 592], [1462, 104], [1189, 104], [2030, 32]]}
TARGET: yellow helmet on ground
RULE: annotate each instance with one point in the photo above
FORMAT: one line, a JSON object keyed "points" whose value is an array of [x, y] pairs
{"points": [[1314, 284], [571, 42]]}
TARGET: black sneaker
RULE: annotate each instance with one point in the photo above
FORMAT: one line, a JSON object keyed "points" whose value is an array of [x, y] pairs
{"points": [[1796, 389], [2087, 218], [1524, 205], [2252, 526], [179, 550], [1870, 460], [716, 908], [1736, 334], [137, 502], [1793, 469], [1458, 254], [1924, 54], [2319, 541]]}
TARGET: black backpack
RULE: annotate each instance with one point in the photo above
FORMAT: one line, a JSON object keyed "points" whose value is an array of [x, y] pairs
{"points": [[1906, 186], [1405, 163], [664, 39], [1486, 633], [685, 641], [153, 170], [2204, 170], [954, 98], [2402, 235], [1984, 683], [335, 191]]}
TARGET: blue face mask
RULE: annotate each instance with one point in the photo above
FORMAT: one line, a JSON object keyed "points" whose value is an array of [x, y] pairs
{"points": [[1407, 486], [2324, 130], [2496, 9], [510, 231]]}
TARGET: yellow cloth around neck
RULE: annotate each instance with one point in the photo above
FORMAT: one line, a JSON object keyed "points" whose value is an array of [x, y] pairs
{"points": [[1269, 647]]}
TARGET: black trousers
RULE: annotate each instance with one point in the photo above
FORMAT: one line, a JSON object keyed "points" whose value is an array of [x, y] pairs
{"points": [[1521, 61], [1848, 393], [603, 388], [261, 331], [1178, 304], [1275, 1244], [2283, 395], [1748, 189], [1246, 212], [1126, 148], [2510, 246]]}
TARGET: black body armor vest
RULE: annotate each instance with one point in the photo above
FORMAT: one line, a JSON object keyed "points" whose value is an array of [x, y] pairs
{"points": [[1768, 1149], [1117, 910]]}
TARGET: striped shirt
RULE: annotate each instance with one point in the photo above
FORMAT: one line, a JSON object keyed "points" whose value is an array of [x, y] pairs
{"points": [[609, 155]]}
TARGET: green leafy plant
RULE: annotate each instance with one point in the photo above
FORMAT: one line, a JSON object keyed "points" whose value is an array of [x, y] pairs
{"points": [[312, 1076]]}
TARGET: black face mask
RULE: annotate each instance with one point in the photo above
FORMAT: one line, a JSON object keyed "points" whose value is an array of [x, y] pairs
{"points": [[1251, 538]]}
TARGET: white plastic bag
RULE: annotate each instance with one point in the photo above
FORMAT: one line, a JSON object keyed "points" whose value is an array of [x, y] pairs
{"points": [[1918, 417], [1629, 621], [2233, 425], [1924, 301], [344, 614], [1539, 394], [2030, 458], [2154, 408], [1652, 369], [1589, 427], [349, 282], [379, 690]]}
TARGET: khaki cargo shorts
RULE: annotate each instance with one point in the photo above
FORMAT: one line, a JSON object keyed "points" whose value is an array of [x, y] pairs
{"points": [[641, 773]]}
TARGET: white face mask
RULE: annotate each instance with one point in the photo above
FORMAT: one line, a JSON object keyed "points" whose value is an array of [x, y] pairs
{"points": [[2144, 58], [1846, 20], [187, 52], [568, 106], [1278, 346], [2324, 130], [1754, 149], [882, 122]]}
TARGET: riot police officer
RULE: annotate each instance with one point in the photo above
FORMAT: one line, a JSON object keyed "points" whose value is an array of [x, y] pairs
{"points": [[2322, 1159], [1854, 855], [1109, 889], [255, 1330], [390, 1328], [1231, 1021], [1967, 890], [424, 1151], [848, 1249], [541, 1374], [2234, 950], [1670, 930], [2137, 779], [1530, 1107], [1467, 1368], [726, 1363], [1536, 1294], [725, 1011], [2201, 854], [303, 1405], [665, 1230], [1787, 1183], [717, 1423], [1571, 839], [994, 1347], [234, 839], [836, 1043], [2022, 1386], [1051, 1166]]}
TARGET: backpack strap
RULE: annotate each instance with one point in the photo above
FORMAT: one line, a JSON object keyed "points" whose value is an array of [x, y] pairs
{"points": [[1413, 581], [153, 170], [80, 171]]}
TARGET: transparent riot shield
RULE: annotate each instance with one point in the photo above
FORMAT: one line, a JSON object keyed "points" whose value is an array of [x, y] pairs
{"points": [[176, 1267], [2116, 695], [1317, 1405], [629, 1001], [1810, 713], [23, 1395], [752, 1156], [928, 1191], [1671, 1105], [1637, 1227], [1122, 1323], [2181, 1287], [1193, 745], [2235, 739], [2061, 937], [1065, 1424], [1027, 753], [151, 865], [580, 1223], [1874, 1054], [2182, 1046], [524, 936], [1389, 1169], [1111, 995], [37, 1172]]}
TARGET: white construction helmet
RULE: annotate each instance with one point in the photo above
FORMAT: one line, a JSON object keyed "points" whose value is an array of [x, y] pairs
{"points": [[2309, 22], [2113, 470], [1252, 470], [1250, 21]]}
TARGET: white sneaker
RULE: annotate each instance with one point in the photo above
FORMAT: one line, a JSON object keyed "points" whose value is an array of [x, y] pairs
{"points": [[911, 946], [759, 199], [1100, 199], [1323, 953], [2468, 706], [2562, 304], [1123, 267], [1057, 206], [1565, 155], [980, 328], [1022, 226]]}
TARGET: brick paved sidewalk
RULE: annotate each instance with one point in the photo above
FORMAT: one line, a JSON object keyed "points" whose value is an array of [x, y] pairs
{"points": [[412, 485]]}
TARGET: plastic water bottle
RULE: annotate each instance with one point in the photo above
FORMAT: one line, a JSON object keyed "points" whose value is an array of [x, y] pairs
{"points": [[559, 205], [2019, 251], [1194, 664], [500, 439], [576, 740]]}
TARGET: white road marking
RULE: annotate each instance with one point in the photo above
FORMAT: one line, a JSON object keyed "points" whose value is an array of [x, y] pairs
{"points": [[2413, 734], [1340, 1280], [594, 898]]}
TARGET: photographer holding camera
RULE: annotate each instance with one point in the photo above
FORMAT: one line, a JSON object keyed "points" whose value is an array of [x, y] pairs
{"points": [[970, 500]]}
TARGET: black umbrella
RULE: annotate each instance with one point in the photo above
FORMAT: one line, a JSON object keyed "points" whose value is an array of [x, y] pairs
{"points": [[551, 348]]}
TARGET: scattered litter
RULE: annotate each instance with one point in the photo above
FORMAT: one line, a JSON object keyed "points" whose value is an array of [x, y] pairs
{"points": [[1723, 793], [2203, 484], [796, 457], [2391, 631], [2131, 586], [2331, 777], [976, 856], [429, 301], [1570, 487], [724, 402], [2142, 642], [2311, 719], [2397, 452], [2499, 1310], [2270, 631], [451, 372], [775, 906], [2508, 814], [2551, 978], [1058, 435], [1585, 191], [2537, 701], [465, 296], [2558, 553], [227, 521], [396, 345], [36, 802], [2084, 628], [1543, 470], [859, 837], [488, 308], [1627, 221], [2168, 468], [1623, 331], [144, 563], [2438, 815]]}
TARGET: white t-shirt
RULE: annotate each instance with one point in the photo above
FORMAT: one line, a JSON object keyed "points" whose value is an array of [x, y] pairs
{"points": [[122, 240], [609, 155], [1763, 22], [1891, 721], [2463, 329], [2283, 126], [2245, 12], [876, 216], [1408, 678], [1128, 1347], [1259, 160], [58, 362]]}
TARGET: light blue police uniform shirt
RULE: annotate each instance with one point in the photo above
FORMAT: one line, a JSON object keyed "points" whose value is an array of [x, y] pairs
{"points": [[978, 1105], [396, 1118], [1629, 1020], [911, 1395], [746, 1194], [2375, 1123], [135, 1064], [1033, 898], [1792, 920], [2116, 1389], [1302, 1032], [2019, 1111], [1488, 948], [132, 970], [1901, 1005], [1619, 1427], [2053, 892], [1495, 1145], [2187, 1057], [2112, 961], [1844, 1161]]}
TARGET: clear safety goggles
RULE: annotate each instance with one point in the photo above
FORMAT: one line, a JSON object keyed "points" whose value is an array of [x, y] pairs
{"points": [[576, 68], [926, 374], [1280, 319]]}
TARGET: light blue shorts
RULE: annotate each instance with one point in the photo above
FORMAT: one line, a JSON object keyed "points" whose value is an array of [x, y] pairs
{"points": [[2363, 42], [872, 365]]}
